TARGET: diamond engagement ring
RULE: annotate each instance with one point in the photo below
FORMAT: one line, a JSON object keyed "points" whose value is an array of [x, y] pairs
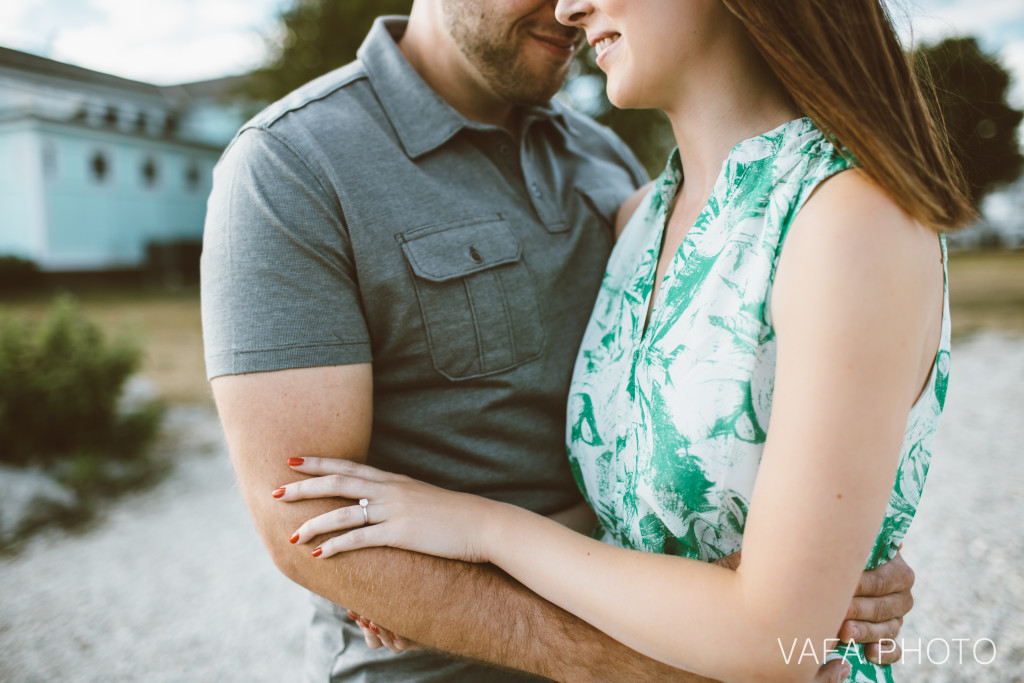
{"points": [[364, 503]]}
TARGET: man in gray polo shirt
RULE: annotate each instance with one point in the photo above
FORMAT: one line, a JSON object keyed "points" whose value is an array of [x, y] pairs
{"points": [[400, 259]]}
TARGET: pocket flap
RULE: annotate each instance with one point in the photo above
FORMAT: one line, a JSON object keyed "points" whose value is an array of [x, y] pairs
{"points": [[447, 252]]}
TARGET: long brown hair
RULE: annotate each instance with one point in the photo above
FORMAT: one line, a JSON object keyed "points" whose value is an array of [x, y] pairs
{"points": [[842, 64]]}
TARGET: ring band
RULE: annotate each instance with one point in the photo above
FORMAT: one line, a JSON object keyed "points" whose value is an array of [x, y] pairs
{"points": [[364, 503]]}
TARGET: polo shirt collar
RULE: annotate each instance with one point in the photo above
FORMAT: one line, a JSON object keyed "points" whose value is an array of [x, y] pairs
{"points": [[554, 111], [420, 117]]}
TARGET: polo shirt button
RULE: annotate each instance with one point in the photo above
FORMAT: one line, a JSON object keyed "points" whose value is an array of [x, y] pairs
{"points": [[505, 149], [475, 255], [536, 191]]}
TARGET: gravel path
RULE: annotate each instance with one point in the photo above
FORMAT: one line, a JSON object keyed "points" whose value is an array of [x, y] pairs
{"points": [[967, 543], [157, 592], [172, 585]]}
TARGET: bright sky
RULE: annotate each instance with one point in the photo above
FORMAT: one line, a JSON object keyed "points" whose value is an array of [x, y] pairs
{"points": [[156, 41], [174, 41]]}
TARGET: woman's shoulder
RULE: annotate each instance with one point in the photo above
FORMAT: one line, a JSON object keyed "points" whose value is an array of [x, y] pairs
{"points": [[847, 207], [851, 220], [863, 255]]}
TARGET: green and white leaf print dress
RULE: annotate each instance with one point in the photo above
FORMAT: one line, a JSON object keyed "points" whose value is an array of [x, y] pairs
{"points": [[666, 427]]}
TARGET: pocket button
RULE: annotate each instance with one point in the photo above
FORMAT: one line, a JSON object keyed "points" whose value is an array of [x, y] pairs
{"points": [[475, 255]]}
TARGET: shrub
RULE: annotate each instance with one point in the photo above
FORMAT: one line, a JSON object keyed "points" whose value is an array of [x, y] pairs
{"points": [[17, 273], [60, 382]]}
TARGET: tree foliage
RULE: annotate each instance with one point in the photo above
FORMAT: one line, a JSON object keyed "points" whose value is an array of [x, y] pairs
{"points": [[316, 36], [970, 91]]}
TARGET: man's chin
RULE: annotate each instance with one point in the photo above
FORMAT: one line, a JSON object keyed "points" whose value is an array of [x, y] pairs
{"points": [[534, 91], [531, 99]]}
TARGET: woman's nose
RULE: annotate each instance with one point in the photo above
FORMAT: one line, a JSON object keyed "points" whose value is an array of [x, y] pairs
{"points": [[572, 12]]}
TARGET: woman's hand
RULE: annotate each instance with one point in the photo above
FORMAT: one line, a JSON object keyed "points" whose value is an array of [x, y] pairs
{"points": [[394, 511]]}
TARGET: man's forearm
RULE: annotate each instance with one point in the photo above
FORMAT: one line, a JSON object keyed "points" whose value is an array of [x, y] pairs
{"points": [[473, 611], [476, 612]]}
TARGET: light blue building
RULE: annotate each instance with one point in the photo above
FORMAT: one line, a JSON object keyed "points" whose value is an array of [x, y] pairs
{"points": [[94, 169]]}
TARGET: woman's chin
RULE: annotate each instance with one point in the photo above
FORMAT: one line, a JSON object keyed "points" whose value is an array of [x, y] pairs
{"points": [[623, 98]]}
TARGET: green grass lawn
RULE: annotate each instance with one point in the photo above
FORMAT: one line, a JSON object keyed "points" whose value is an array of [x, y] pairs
{"points": [[986, 292]]}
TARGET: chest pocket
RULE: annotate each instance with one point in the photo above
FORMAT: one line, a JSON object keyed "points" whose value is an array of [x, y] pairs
{"points": [[477, 296]]}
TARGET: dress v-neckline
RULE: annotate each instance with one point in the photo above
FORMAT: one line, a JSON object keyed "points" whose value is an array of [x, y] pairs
{"points": [[669, 191], [653, 298]]}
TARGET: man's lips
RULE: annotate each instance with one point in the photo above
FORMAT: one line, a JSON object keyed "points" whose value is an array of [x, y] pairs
{"points": [[562, 42]]}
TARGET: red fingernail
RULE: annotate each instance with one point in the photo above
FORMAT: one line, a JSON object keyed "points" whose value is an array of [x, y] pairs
{"points": [[352, 615], [294, 539], [318, 552], [373, 627], [295, 462], [278, 493]]}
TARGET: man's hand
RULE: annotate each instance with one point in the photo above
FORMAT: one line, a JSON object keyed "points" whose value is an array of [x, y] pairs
{"points": [[378, 636], [876, 612]]}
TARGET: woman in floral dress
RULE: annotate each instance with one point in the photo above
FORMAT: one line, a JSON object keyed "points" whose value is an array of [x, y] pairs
{"points": [[767, 358]]}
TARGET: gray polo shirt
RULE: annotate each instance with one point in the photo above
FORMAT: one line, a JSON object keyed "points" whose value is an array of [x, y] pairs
{"points": [[363, 219]]}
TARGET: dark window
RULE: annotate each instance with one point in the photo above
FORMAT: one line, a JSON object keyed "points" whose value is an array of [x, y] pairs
{"points": [[192, 176], [141, 123], [110, 116], [171, 125], [150, 172], [99, 166]]}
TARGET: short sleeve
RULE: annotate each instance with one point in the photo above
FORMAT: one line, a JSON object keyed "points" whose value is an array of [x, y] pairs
{"points": [[278, 279]]}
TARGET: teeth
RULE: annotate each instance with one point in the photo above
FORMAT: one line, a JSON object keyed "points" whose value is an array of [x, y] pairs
{"points": [[604, 44]]}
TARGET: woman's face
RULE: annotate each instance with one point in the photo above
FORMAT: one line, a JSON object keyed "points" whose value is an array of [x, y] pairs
{"points": [[646, 46]]}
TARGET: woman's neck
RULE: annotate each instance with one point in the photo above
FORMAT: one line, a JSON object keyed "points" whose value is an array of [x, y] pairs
{"points": [[717, 106]]}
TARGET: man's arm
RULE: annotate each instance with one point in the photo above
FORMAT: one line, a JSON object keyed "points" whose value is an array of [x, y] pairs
{"points": [[474, 611]]}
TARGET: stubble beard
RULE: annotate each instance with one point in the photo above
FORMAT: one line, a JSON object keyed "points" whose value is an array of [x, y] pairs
{"points": [[494, 49]]}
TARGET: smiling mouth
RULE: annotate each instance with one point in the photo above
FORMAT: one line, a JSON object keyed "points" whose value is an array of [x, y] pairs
{"points": [[558, 43], [602, 45]]}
